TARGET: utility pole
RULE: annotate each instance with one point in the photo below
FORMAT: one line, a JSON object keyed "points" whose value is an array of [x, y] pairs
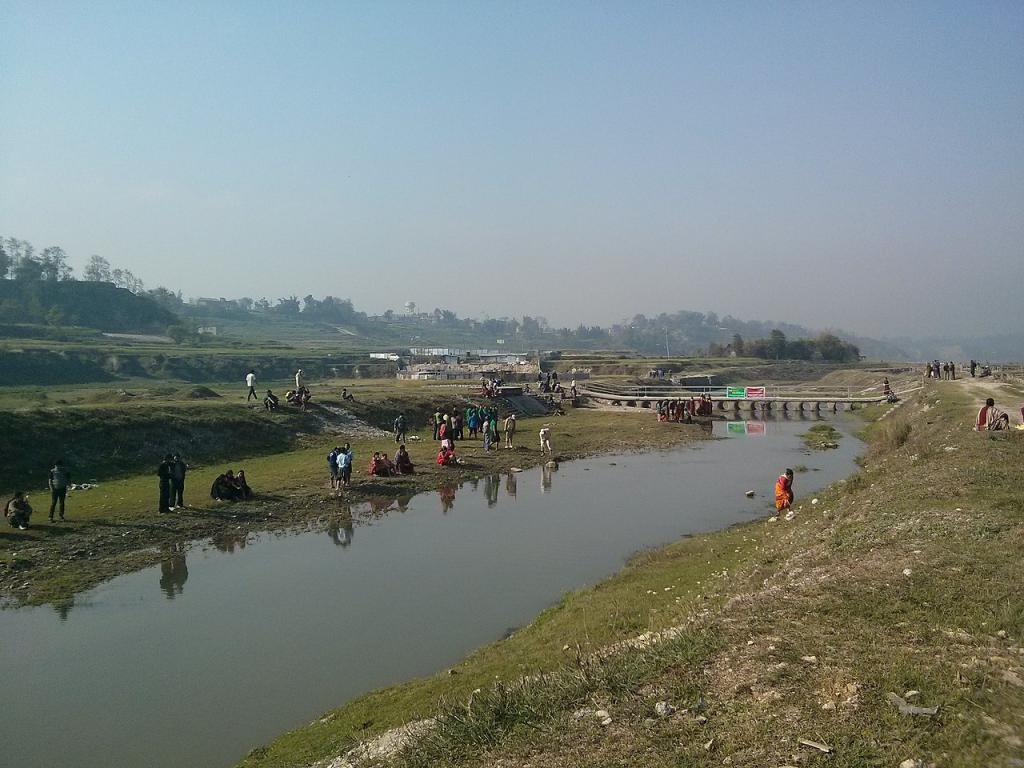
{"points": [[666, 344]]}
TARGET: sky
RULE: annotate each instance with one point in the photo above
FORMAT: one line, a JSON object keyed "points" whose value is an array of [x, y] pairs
{"points": [[841, 165]]}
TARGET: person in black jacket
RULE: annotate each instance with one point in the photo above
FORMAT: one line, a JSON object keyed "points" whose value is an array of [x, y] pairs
{"points": [[178, 470], [165, 471]]}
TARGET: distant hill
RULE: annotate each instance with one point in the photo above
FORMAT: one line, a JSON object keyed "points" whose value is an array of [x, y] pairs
{"points": [[77, 303], [996, 348]]}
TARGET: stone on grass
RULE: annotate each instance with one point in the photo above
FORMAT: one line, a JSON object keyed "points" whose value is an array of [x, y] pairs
{"points": [[664, 709]]}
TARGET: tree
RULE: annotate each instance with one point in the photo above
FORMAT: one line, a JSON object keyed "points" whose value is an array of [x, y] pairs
{"points": [[737, 344], [245, 303], [97, 270], [55, 264], [5, 261], [777, 342], [262, 304], [288, 307], [28, 269]]}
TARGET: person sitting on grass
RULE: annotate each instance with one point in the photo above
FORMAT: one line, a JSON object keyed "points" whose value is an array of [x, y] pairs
{"points": [[243, 486], [226, 488], [347, 396], [991, 418], [784, 491], [18, 511], [446, 457], [270, 401], [379, 465], [403, 463]]}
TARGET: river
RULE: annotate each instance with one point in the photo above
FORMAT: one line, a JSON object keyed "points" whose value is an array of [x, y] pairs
{"points": [[225, 645]]}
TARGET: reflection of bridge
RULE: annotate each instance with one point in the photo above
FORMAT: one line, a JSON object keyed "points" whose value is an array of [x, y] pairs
{"points": [[782, 398]]}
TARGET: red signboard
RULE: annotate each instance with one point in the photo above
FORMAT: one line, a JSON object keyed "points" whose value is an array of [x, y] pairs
{"points": [[755, 392]]}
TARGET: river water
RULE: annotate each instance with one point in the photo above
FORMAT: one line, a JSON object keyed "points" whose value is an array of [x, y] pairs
{"points": [[227, 644]]}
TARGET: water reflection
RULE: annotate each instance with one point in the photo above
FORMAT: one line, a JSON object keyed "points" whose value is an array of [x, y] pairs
{"points": [[229, 541], [546, 474], [510, 484], [173, 570], [447, 495], [491, 484], [341, 531]]}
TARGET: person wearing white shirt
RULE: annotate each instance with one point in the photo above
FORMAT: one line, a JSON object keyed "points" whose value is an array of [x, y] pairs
{"points": [[250, 382]]}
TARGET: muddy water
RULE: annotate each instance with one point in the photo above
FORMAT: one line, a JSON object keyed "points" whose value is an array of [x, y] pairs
{"points": [[224, 646]]}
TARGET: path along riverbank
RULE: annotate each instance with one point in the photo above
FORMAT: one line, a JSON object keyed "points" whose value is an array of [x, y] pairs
{"points": [[783, 641]]}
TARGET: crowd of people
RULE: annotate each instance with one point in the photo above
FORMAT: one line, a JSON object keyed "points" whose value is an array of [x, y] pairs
{"points": [[947, 370], [679, 410]]}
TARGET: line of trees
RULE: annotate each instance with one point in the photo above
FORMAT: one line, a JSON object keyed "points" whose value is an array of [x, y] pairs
{"points": [[776, 346], [19, 260]]}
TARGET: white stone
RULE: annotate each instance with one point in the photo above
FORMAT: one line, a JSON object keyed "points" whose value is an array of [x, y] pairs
{"points": [[664, 709]]}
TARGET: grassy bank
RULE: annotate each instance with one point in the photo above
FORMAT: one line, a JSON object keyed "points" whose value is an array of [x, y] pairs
{"points": [[903, 579], [114, 528]]}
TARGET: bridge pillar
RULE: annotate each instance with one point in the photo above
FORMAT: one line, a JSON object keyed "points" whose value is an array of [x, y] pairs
{"points": [[645, 404]]}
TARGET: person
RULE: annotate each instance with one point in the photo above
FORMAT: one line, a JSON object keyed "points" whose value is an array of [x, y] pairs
{"points": [[403, 463], [270, 402], [437, 424], [952, 370], [991, 418], [510, 429], [485, 430], [178, 470], [377, 466], [400, 428], [474, 422], [545, 439], [974, 367], [299, 380], [18, 511], [345, 465], [58, 481], [332, 466], [458, 424], [250, 382], [784, 490], [347, 396], [226, 487], [446, 457], [243, 487], [163, 472]]}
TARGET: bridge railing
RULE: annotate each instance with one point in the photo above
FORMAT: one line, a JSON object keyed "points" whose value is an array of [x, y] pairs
{"points": [[668, 392]]}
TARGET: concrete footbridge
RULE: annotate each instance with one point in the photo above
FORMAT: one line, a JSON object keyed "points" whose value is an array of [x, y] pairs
{"points": [[796, 397]]}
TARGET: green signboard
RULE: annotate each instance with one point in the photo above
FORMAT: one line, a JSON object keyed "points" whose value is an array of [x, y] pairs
{"points": [[736, 392], [737, 427]]}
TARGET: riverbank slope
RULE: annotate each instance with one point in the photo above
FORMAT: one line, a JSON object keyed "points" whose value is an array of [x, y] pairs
{"points": [[774, 643]]}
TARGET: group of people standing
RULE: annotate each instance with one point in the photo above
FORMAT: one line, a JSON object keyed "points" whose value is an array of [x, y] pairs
{"points": [[947, 370], [339, 465], [684, 410], [171, 474]]}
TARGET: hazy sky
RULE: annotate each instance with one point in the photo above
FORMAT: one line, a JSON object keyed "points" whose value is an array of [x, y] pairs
{"points": [[850, 165]]}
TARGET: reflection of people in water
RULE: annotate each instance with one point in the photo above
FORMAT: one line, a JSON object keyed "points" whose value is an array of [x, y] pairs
{"points": [[447, 495], [403, 503], [340, 531], [510, 484], [173, 571], [546, 473], [231, 540], [491, 483]]}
